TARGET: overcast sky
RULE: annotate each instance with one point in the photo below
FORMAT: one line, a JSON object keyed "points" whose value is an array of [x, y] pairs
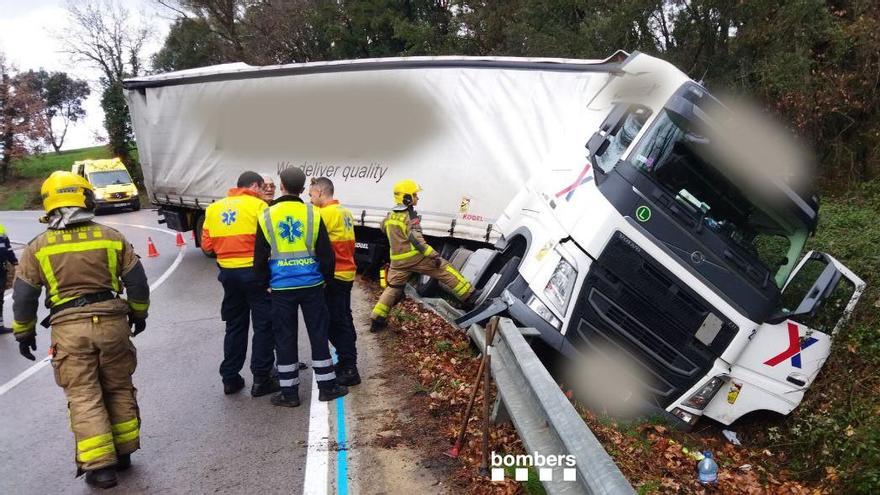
{"points": [[26, 39]]}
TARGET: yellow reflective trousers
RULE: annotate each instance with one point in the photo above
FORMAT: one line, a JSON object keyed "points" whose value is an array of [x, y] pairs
{"points": [[398, 276], [93, 360]]}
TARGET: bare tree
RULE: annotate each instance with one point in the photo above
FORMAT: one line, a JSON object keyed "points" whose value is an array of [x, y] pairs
{"points": [[104, 34]]}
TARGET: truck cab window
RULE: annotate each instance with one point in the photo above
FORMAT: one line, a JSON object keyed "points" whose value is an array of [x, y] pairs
{"points": [[831, 310], [678, 160]]}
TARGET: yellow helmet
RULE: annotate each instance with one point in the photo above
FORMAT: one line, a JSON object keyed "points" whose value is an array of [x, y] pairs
{"points": [[66, 189], [404, 188]]}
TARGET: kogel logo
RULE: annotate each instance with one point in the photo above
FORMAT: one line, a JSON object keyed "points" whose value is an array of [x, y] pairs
{"points": [[643, 213], [795, 346]]}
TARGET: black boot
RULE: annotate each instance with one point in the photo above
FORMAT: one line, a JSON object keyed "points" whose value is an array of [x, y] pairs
{"points": [[123, 462], [285, 400], [102, 478], [265, 386], [5, 330], [378, 324], [329, 394], [348, 376], [233, 385]]}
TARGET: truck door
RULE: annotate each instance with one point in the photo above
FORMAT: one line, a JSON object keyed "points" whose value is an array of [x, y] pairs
{"points": [[786, 353]]}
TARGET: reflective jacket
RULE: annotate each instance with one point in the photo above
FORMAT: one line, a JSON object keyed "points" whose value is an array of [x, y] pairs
{"points": [[404, 231], [82, 259], [6, 252], [340, 227], [230, 227], [291, 230]]}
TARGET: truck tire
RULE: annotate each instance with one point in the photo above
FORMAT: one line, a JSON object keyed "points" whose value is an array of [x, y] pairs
{"points": [[199, 223], [136, 204], [427, 286]]}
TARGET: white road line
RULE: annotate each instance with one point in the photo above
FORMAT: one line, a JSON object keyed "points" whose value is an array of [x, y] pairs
{"points": [[157, 229], [24, 375], [315, 482], [6, 387]]}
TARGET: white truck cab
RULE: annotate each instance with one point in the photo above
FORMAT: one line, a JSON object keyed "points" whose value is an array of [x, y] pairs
{"points": [[635, 244]]}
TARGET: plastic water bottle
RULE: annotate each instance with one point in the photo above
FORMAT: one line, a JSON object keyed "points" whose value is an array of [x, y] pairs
{"points": [[707, 469]]}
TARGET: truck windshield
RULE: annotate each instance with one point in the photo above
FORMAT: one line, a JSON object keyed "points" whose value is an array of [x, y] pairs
{"points": [[769, 239], [109, 177]]}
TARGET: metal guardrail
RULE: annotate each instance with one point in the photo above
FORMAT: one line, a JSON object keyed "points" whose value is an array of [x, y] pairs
{"points": [[543, 417]]}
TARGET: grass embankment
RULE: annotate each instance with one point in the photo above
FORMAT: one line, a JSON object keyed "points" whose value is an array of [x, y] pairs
{"points": [[22, 189], [830, 444], [834, 436]]}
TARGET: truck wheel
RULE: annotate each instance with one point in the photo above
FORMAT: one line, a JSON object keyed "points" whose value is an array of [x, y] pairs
{"points": [[427, 286], [200, 221], [136, 204]]}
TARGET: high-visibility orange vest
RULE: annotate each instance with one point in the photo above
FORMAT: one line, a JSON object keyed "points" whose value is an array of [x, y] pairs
{"points": [[340, 226], [230, 227]]}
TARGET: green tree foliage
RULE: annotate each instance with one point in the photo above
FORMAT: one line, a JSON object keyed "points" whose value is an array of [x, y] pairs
{"points": [[117, 122], [62, 98], [815, 63], [190, 43]]}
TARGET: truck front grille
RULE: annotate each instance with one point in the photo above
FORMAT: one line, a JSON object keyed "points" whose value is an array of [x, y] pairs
{"points": [[632, 304]]}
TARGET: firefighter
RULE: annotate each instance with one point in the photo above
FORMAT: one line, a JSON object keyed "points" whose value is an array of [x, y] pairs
{"points": [[340, 227], [294, 258], [84, 266], [7, 269], [229, 232], [411, 254]]}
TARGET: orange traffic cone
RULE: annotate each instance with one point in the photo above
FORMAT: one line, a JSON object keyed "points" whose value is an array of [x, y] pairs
{"points": [[180, 241], [151, 248]]}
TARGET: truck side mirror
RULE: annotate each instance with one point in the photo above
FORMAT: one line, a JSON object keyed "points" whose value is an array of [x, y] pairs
{"points": [[600, 140], [631, 115]]}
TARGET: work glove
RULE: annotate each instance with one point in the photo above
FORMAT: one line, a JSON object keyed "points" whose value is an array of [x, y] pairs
{"points": [[139, 324], [26, 345]]}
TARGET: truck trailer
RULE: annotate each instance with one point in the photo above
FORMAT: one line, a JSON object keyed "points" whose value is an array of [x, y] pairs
{"points": [[578, 195]]}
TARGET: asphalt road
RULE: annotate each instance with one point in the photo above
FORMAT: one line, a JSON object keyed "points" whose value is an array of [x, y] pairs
{"points": [[194, 439]]}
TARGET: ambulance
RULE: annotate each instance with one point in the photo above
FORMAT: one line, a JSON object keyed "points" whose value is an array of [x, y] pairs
{"points": [[114, 188]]}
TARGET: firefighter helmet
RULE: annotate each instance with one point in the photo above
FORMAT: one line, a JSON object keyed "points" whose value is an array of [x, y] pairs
{"points": [[66, 189], [404, 191]]}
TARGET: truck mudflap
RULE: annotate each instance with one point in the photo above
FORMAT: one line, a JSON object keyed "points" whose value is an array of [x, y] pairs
{"points": [[784, 355]]}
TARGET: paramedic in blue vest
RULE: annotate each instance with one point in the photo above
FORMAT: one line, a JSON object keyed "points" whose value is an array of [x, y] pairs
{"points": [[294, 258]]}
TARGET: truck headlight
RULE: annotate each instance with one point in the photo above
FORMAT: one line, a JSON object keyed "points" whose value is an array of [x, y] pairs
{"points": [[700, 399], [561, 283], [543, 311], [99, 195], [685, 416]]}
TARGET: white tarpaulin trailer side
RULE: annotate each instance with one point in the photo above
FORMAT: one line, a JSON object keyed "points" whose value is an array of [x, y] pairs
{"points": [[471, 131]]}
